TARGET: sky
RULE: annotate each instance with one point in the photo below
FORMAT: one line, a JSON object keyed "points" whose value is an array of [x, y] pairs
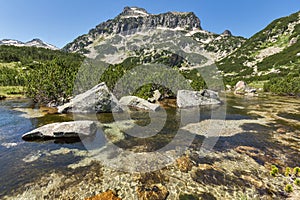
{"points": [[59, 22]]}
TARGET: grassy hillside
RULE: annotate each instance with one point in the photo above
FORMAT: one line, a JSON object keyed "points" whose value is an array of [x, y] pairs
{"points": [[46, 75], [269, 54]]}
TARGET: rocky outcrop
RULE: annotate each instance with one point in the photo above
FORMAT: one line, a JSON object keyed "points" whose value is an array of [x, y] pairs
{"points": [[134, 12], [63, 130], [138, 103], [136, 18], [108, 195], [96, 100], [187, 98]]}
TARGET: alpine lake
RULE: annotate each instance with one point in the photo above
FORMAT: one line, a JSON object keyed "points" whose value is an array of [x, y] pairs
{"points": [[258, 135]]}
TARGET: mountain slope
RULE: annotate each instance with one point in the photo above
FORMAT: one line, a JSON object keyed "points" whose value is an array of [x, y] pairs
{"points": [[133, 18], [33, 43], [272, 52]]}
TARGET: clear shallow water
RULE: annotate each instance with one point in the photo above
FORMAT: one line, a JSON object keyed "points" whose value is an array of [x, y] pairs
{"points": [[23, 162]]}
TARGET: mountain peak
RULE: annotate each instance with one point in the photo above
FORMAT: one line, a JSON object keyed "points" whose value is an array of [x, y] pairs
{"points": [[134, 12], [36, 40], [227, 33]]}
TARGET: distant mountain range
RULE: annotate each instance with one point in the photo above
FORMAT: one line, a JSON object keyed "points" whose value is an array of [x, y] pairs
{"points": [[32, 43]]}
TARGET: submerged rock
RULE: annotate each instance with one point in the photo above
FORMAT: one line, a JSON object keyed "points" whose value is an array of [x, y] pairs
{"points": [[108, 195], [62, 130], [184, 164], [154, 192], [98, 99], [187, 98], [136, 102]]}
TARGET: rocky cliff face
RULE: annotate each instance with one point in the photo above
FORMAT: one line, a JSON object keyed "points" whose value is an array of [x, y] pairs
{"points": [[136, 18]]}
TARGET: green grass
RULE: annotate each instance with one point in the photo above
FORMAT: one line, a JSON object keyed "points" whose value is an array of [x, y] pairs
{"points": [[12, 91], [257, 84], [9, 65]]}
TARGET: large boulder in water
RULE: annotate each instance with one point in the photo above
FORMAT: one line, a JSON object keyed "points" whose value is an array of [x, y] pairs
{"points": [[240, 86], [187, 98], [96, 100], [62, 130], [138, 103]]}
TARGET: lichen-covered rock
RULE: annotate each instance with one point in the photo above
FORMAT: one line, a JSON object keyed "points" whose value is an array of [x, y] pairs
{"points": [[96, 100], [62, 130]]}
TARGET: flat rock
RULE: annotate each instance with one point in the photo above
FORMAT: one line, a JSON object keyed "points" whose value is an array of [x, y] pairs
{"points": [[96, 100], [187, 98], [139, 103], [62, 130]]}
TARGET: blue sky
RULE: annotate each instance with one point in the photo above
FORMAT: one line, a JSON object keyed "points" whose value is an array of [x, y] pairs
{"points": [[61, 21]]}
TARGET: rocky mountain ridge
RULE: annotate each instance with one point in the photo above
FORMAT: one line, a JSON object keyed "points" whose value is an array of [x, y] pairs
{"points": [[134, 18], [32, 43]]}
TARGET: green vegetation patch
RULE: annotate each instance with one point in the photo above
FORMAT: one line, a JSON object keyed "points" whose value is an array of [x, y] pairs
{"points": [[11, 91]]}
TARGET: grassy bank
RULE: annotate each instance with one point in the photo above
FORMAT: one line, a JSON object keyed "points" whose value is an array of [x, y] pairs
{"points": [[11, 92]]}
